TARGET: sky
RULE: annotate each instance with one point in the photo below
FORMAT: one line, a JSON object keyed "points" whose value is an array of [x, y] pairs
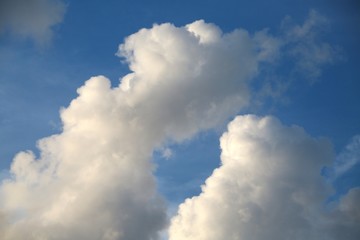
{"points": [[175, 120]]}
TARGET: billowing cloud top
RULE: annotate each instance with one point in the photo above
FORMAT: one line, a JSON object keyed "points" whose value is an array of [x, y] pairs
{"points": [[268, 187], [94, 180], [189, 78]]}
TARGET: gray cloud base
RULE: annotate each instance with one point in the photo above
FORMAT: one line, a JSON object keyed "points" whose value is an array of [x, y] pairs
{"points": [[31, 18]]}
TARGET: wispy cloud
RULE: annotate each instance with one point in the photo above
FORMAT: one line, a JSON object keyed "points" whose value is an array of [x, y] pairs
{"points": [[298, 53], [346, 160], [304, 45]]}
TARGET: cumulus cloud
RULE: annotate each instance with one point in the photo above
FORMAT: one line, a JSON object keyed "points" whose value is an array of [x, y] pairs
{"points": [[94, 180], [196, 76], [268, 187], [31, 18]]}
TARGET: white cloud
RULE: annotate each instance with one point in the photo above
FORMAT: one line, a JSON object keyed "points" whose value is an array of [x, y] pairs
{"points": [[31, 18], [268, 187], [167, 153], [203, 78], [94, 180], [306, 48], [297, 53], [348, 158]]}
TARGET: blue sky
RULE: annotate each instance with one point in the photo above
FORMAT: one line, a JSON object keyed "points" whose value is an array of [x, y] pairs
{"points": [[43, 65]]}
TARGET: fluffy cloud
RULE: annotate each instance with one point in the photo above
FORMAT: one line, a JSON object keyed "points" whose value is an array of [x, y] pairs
{"points": [[31, 18], [94, 180], [268, 187], [195, 77]]}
